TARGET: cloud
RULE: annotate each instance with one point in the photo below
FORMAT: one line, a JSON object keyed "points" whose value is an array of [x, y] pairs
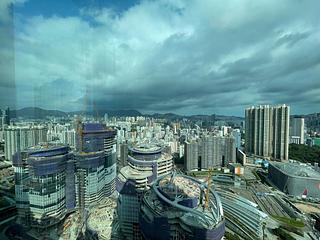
{"points": [[181, 56]]}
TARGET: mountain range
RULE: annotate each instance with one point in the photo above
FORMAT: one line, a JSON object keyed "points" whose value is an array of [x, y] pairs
{"points": [[311, 120], [39, 113]]}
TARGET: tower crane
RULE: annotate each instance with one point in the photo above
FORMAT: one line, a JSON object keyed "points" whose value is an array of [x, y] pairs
{"points": [[206, 204]]}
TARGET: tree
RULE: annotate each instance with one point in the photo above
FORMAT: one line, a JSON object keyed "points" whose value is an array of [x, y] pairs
{"points": [[304, 153]]}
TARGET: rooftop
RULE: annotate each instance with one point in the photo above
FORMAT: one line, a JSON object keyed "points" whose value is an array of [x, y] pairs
{"points": [[187, 196], [25, 127], [93, 127], [159, 158], [146, 148], [297, 169], [46, 150], [130, 173], [96, 128], [180, 185]]}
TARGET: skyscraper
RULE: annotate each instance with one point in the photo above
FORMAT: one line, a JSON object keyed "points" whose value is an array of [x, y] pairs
{"points": [[90, 178], [297, 130], [267, 131], [43, 190], [95, 163]]}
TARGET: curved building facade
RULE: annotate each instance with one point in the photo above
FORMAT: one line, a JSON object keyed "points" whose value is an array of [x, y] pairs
{"points": [[145, 164], [295, 179], [145, 158], [242, 216], [175, 208], [44, 191]]}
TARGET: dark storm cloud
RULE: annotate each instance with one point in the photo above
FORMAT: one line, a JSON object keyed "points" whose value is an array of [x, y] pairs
{"points": [[187, 57]]}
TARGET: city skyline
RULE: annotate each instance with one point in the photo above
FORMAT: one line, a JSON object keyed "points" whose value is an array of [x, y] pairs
{"points": [[162, 56], [159, 119]]}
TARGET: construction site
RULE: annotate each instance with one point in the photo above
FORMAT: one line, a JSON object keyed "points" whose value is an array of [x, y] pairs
{"points": [[196, 210]]}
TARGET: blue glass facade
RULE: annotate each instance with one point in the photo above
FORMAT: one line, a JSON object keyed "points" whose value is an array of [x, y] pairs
{"points": [[44, 190]]}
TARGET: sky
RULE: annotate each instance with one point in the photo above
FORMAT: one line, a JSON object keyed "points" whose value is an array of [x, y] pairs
{"points": [[186, 57]]}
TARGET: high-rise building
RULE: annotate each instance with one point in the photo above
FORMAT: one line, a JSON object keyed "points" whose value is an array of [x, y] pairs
{"points": [[145, 163], [237, 137], [209, 151], [146, 157], [178, 207], [217, 151], [95, 163], [123, 155], [267, 131], [18, 138], [90, 178], [191, 155], [297, 130], [131, 185], [44, 185], [68, 137]]}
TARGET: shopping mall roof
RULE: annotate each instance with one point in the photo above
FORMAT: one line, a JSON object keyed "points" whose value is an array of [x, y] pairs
{"points": [[297, 169]]}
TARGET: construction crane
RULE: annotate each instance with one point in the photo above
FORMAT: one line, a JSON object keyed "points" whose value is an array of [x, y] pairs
{"points": [[206, 204]]}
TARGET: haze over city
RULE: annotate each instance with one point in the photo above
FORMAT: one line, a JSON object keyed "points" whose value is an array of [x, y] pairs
{"points": [[186, 57]]}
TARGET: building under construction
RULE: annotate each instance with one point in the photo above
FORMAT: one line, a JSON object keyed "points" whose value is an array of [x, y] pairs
{"points": [[181, 207], [95, 163], [44, 185], [51, 181]]}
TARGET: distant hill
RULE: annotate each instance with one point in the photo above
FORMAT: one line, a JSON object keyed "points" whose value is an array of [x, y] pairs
{"points": [[36, 113], [312, 120], [39, 113]]}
